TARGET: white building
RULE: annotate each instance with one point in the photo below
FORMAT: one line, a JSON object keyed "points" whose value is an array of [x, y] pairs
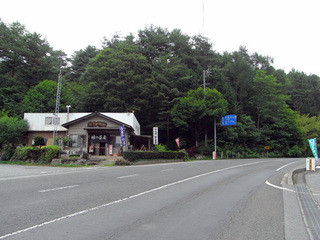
{"points": [[95, 133]]}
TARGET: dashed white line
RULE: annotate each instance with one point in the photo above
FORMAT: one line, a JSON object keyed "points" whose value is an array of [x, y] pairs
{"points": [[56, 189], [165, 170], [124, 199], [128, 176]]}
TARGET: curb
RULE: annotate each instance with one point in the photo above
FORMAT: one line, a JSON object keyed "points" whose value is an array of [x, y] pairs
{"points": [[298, 176], [293, 172]]}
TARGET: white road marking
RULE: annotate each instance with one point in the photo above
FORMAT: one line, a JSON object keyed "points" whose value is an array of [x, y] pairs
{"points": [[53, 173], [59, 188], [275, 186], [124, 199], [165, 170], [128, 176], [286, 165]]}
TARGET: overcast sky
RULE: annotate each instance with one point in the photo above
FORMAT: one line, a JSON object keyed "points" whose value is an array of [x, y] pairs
{"points": [[287, 30]]}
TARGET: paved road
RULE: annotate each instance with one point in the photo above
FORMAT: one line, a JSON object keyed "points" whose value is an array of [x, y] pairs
{"points": [[225, 199]]}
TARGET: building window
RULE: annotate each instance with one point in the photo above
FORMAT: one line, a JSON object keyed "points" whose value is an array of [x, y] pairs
{"points": [[52, 120], [76, 140]]}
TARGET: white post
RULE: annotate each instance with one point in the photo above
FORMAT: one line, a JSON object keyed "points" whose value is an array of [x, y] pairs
{"points": [[215, 136]]}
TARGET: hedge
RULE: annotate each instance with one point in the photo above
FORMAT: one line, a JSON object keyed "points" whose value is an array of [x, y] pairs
{"points": [[34, 154], [142, 155]]}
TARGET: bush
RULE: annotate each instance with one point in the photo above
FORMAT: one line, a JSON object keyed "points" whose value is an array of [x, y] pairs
{"points": [[41, 155], [295, 151], [160, 148], [48, 153], [6, 153], [192, 151], [206, 150], [141, 155], [39, 141], [122, 162], [21, 154]]}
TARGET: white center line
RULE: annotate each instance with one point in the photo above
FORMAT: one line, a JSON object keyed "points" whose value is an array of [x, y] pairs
{"points": [[123, 199], [59, 188], [286, 165], [128, 176], [165, 170]]}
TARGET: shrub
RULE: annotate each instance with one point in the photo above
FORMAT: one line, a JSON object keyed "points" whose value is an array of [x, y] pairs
{"points": [[7, 152], [39, 141], [43, 155], [140, 155], [160, 148], [21, 154], [295, 151], [48, 153], [122, 162], [192, 151]]}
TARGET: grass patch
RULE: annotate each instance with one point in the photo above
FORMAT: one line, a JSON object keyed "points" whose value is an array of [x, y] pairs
{"points": [[42, 164], [108, 165]]}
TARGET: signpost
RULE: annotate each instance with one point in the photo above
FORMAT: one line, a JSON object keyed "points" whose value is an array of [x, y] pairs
{"points": [[228, 120], [310, 164], [155, 136], [267, 148]]}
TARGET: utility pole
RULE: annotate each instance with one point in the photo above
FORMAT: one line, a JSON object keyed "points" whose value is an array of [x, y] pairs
{"points": [[204, 90]]}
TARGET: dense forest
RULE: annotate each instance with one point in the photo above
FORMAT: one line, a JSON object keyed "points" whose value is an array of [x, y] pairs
{"points": [[159, 74]]}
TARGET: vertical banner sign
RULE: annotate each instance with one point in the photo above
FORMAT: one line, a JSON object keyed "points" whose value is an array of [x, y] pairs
{"points": [[313, 147], [123, 141], [178, 142], [155, 136]]}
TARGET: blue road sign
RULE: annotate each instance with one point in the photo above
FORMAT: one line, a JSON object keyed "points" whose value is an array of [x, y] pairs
{"points": [[228, 120]]}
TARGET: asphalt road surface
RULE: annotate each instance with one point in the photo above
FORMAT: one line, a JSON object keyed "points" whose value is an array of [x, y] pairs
{"points": [[225, 199]]}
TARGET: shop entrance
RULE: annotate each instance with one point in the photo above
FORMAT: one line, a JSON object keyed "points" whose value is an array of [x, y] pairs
{"points": [[102, 149], [98, 143]]}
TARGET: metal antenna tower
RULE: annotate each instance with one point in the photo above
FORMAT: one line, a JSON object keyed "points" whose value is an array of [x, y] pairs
{"points": [[203, 31], [56, 121]]}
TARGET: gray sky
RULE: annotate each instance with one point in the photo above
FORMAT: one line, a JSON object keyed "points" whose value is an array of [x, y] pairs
{"points": [[287, 30]]}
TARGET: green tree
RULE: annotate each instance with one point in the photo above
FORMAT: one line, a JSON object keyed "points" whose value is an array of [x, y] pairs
{"points": [[195, 111], [79, 62], [25, 60], [305, 92], [42, 97], [118, 79], [276, 121], [244, 137], [310, 126], [11, 131]]}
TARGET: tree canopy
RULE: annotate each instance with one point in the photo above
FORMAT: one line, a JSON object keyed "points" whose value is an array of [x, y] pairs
{"points": [[157, 74]]}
